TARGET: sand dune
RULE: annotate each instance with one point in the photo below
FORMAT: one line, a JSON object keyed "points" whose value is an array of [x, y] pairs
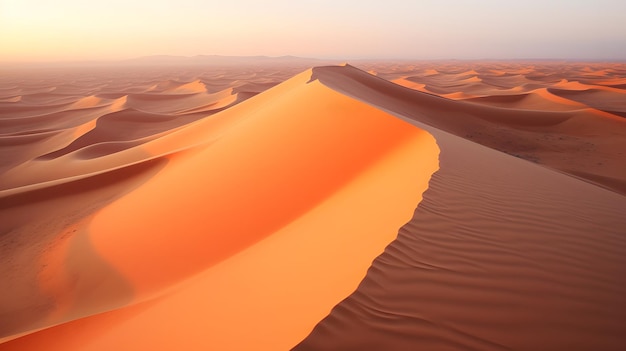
{"points": [[501, 254], [537, 100], [363, 154], [610, 100], [584, 141], [238, 208]]}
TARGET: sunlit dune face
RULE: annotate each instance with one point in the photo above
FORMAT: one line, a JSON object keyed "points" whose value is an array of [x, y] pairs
{"points": [[275, 182], [191, 207], [74, 138], [278, 204]]}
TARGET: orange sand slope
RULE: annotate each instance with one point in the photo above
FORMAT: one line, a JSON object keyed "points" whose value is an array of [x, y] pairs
{"points": [[263, 217], [179, 209]]}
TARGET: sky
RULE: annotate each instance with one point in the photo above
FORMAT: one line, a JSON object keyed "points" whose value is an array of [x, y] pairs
{"points": [[75, 30]]}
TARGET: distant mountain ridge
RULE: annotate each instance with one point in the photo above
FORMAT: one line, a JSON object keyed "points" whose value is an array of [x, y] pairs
{"points": [[173, 60]]}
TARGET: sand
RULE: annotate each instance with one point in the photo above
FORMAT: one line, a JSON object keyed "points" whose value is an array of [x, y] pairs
{"points": [[390, 206]]}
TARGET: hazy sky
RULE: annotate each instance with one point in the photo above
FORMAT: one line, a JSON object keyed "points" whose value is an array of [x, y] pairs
{"points": [[52, 30]]}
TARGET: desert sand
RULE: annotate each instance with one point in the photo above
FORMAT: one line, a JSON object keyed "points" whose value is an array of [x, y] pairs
{"points": [[379, 205]]}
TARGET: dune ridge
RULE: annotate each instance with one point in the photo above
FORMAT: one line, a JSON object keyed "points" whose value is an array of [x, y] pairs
{"points": [[574, 141], [233, 208], [283, 197], [499, 255]]}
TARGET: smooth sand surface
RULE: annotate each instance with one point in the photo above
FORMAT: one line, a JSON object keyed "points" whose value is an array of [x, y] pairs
{"points": [[500, 255], [237, 208], [285, 214], [537, 111]]}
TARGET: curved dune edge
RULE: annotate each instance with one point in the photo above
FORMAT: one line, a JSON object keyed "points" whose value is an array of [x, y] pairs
{"points": [[586, 141], [271, 225], [96, 128], [500, 254]]}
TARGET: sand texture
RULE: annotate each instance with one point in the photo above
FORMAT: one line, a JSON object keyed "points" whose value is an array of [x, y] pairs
{"points": [[374, 206]]}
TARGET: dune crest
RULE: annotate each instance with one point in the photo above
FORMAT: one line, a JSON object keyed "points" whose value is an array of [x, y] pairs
{"points": [[248, 208], [585, 142], [332, 175]]}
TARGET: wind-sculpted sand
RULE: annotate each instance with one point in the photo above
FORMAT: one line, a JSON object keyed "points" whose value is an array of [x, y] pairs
{"points": [[275, 206]]}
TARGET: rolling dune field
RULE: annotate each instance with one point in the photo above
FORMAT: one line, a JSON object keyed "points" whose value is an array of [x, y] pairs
{"points": [[304, 205]]}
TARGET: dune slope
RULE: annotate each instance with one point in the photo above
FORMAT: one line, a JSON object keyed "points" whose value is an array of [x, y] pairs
{"points": [[581, 141], [182, 212], [500, 255], [259, 220]]}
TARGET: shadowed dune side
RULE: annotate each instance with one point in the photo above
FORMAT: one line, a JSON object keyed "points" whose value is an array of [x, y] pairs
{"points": [[23, 110], [53, 121], [43, 98], [611, 101], [453, 116], [125, 125], [25, 139], [264, 228], [509, 81], [409, 84], [537, 100], [500, 255], [483, 79], [192, 87], [169, 103], [98, 127], [242, 229], [585, 141]]}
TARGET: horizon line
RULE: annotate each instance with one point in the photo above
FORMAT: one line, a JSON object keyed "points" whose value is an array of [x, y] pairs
{"points": [[132, 60]]}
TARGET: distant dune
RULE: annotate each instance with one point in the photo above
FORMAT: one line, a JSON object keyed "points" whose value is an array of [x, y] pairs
{"points": [[196, 204], [173, 61]]}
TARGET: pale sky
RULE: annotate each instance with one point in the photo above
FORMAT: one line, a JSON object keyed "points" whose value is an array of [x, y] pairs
{"points": [[59, 30]]}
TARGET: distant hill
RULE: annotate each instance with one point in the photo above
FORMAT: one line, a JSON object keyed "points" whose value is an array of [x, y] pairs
{"points": [[218, 60]]}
